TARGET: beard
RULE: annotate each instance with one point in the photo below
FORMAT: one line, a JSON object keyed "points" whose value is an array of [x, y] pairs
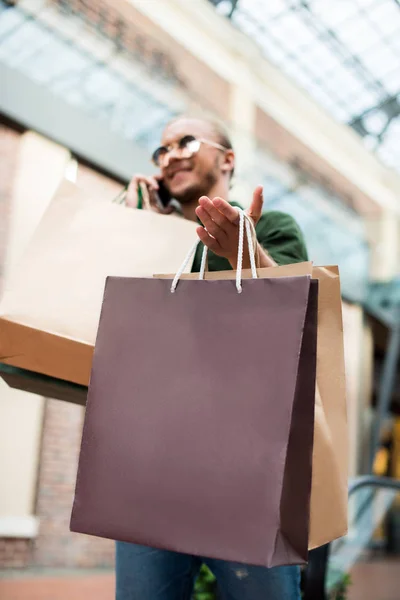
{"points": [[193, 192]]}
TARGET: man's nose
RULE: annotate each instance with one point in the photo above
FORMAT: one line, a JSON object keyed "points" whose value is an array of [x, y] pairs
{"points": [[172, 156]]}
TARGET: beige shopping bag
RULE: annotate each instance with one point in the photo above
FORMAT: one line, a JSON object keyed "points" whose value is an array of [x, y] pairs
{"points": [[50, 309], [328, 513]]}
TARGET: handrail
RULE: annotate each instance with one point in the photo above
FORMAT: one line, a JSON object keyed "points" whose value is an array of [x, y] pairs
{"points": [[315, 573], [373, 481]]}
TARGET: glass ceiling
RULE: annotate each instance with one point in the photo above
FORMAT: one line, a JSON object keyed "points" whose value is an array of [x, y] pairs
{"points": [[344, 53], [35, 41]]}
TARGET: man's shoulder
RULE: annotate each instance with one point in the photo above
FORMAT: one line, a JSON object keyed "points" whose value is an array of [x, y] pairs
{"points": [[235, 204], [271, 220], [274, 218], [271, 217]]}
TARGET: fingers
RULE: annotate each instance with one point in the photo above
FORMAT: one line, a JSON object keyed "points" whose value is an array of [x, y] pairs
{"points": [[150, 181], [229, 212], [219, 233], [255, 210], [215, 213], [209, 224], [133, 189], [213, 219], [220, 219], [208, 240], [131, 198]]}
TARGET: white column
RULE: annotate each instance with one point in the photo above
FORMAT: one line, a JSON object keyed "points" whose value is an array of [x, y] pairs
{"points": [[358, 346], [242, 115], [41, 165], [383, 234]]}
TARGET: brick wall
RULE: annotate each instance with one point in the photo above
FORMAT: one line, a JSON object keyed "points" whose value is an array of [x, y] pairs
{"points": [[55, 545], [15, 553]]}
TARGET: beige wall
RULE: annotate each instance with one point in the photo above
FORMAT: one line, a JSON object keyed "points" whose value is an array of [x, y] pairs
{"points": [[39, 168], [20, 434], [358, 346], [9, 148], [41, 165]]}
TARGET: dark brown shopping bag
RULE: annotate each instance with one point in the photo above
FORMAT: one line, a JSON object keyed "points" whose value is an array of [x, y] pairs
{"points": [[199, 422]]}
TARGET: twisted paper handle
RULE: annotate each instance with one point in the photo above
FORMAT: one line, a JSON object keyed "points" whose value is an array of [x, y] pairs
{"points": [[244, 224]]}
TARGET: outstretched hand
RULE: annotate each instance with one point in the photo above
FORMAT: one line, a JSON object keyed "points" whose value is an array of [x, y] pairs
{"points": [[221, 226]]}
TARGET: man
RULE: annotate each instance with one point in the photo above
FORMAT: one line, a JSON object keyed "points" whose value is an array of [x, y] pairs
{"points": [[196, 163]]}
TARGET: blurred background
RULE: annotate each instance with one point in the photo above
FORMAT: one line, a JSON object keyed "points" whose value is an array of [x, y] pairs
{"points": [[310, 92]]}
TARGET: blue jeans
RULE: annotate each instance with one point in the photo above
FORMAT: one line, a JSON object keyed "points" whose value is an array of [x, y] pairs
{"points": [[148, 574]]}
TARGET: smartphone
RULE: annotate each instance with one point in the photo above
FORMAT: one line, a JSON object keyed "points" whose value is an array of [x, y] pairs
{"points": [[162, 194]]}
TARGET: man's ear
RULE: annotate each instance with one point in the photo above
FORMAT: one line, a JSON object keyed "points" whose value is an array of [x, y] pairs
{"points": [[228, 162]]}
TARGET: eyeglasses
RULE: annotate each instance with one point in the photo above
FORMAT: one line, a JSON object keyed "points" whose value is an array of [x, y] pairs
{"points": [[183, 148]]}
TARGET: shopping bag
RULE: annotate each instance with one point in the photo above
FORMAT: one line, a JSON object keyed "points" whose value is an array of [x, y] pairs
{"points": [[43, 385], [199, 422], [51, 305], [329, 496]]}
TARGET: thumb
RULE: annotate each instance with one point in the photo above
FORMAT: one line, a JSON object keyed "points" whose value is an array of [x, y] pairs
{"points": [[256, 206]]}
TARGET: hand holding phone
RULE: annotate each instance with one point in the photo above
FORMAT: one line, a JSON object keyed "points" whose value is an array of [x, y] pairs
{"points": [[152, 192], [162, 194]]}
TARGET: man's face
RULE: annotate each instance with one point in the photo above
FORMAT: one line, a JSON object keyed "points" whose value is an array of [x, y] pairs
{"points": [[189, 178]]}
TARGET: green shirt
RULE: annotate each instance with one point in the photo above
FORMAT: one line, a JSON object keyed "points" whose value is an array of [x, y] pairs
{"points": [[277, 232]]}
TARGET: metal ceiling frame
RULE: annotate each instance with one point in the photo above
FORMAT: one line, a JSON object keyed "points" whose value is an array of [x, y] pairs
{"points": [[354, 63], [79, 75]]}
